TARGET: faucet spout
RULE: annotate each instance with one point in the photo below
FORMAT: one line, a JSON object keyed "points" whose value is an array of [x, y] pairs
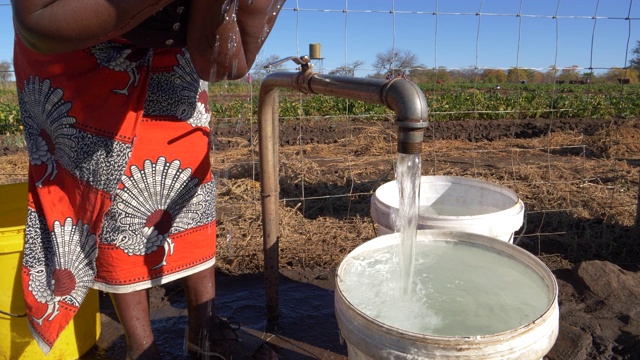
{"points": [[410, 106], [399, 95]]}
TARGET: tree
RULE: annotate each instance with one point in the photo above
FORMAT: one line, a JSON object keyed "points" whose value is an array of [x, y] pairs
{"points": [[267, 65], [618, 75], [569, 74], [347, 70], [422, 74], [517, 75], [493, 76], [467, 75], [635, 60], [537, 77], [394, 59], [550, 74], [5, 71]]}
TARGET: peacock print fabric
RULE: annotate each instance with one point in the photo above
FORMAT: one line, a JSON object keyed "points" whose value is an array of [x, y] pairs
{"points": [[121, 196]]}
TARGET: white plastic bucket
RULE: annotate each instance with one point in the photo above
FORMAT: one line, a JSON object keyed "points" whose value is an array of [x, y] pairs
{"points": [[369, 338], [454, 203]]}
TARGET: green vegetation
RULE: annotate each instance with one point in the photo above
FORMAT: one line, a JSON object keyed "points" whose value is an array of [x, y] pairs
{"points": [[450, 101], [9, 113], [461, 102], [524, 101]]}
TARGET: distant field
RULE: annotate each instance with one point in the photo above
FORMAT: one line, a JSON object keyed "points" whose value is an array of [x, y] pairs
{"points": [[239, 100]]}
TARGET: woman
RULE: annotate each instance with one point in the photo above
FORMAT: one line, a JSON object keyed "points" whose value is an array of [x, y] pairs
{"points": [[116, 121]]}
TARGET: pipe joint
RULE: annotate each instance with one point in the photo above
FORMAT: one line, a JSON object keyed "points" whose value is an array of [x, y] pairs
{"points": [[301, 81], [410, 140]]}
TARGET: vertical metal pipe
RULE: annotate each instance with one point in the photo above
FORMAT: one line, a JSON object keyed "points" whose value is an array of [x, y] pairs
{"points": [[269, 193], [402, 96]]}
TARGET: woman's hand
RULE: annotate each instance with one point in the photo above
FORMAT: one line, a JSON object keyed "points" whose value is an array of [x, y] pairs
{"points": [[54, 26], [225, 36]]}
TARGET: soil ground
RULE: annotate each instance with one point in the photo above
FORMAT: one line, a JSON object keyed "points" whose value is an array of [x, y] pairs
{"points": [[578, 179]]}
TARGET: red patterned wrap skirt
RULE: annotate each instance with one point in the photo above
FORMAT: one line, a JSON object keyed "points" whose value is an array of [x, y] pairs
{"points": [[121, 196]]}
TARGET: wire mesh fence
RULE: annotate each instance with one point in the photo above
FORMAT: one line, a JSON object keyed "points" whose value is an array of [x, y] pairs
{"points": [[564, 124]]}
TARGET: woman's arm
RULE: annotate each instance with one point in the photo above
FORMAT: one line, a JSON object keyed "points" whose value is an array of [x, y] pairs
{"points": [[54, 26], [225, 36]]}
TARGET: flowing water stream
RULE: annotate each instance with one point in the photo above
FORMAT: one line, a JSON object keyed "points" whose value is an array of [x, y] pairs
{"points": [[408, 172]]}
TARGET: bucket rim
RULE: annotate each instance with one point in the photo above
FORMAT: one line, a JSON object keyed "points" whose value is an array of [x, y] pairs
{"points": [[476, 239], [458, 180], [516, 210]]}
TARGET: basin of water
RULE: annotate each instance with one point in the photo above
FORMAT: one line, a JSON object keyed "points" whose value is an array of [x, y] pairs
{"points": [[472, 297]]}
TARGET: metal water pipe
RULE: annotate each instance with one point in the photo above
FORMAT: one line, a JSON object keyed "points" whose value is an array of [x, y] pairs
{"points": [[399, 95]]}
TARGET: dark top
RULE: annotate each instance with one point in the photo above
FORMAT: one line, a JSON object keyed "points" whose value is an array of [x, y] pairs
{"points": [[166, 28]]}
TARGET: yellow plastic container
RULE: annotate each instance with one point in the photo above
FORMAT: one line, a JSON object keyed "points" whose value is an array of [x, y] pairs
{"points": [[16, 341]]}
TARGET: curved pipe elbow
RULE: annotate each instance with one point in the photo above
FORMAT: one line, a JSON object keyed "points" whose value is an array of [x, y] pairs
{"points": [[408, 102]]}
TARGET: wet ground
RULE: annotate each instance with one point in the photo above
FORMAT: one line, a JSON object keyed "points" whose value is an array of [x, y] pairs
{"points": [[307, 327]]}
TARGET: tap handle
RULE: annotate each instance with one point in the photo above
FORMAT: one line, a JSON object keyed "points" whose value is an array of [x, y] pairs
{"points": [[303, 61]]}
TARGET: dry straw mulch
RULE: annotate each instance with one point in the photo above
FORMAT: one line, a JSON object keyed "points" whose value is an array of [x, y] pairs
{"points": [[580, 192]]}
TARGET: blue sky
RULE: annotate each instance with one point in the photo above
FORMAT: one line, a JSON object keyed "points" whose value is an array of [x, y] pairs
{"points": [[454, 38]]}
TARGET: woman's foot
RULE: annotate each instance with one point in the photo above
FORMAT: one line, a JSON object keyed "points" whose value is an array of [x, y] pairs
{"points": [[150, 353], [225, 340]]}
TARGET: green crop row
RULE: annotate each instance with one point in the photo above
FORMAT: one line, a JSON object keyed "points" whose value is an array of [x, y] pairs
{"points": [[532, 105], [292, 106], [9, 119], [446, 102]]}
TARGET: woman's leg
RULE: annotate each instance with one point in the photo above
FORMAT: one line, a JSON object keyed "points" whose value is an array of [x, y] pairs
{"points": [[200, 290], [133, 312]]}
